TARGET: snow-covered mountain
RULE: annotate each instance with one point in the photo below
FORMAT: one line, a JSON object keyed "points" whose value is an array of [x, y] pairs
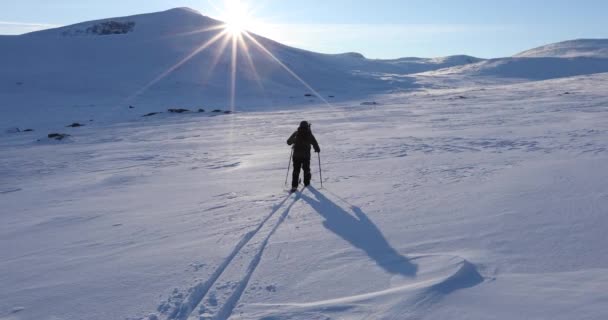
{"points": [[529, 68], [591, 48], [105, 62], [178, 58], [563, 59]]}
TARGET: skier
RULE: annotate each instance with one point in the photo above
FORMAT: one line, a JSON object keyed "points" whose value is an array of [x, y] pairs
{"points": [[301, 140]]}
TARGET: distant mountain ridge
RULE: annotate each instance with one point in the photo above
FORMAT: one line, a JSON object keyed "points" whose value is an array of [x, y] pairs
{"points": [[166, 23], [177, 58], [529, 68], [590, 48], [170, 58], [557, 60]]}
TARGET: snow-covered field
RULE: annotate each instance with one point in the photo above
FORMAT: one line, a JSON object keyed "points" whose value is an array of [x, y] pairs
{"points": [[453, 188], [478, 203]]}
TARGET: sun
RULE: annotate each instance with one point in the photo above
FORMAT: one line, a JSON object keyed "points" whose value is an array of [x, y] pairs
{"points": [[237, 17]]}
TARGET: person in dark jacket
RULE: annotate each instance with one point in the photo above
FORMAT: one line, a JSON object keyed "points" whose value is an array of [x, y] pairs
{"points": [[301, 140]]}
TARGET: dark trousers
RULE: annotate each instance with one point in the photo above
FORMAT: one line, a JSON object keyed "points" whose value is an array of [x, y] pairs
{"points": [[300, 163]]}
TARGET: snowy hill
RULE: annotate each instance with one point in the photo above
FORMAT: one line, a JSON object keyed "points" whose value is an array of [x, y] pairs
{"points": [[528, 68], [590, 48], [416, 65], [172, 21], [178, 58], [559, 60], [98, 68]]}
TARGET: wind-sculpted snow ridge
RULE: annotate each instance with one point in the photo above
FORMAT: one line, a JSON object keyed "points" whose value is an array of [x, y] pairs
{"points": [[466, 276], [438, 276]]}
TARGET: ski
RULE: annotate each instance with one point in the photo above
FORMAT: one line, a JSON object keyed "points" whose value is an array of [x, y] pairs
{"points": [[300, 188], [292, 190], [296, 190]]}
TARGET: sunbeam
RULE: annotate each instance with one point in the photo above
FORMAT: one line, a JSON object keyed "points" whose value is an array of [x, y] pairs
{"points": [[250, 63], [292, 73], [233, 66], [179, 64], [216, 59], [203, 30]]}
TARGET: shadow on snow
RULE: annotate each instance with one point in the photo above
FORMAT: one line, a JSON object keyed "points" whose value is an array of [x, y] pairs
{"points": [[361, 232]]}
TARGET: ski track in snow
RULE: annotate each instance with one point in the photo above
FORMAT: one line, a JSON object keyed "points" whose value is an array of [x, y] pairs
{"points": [[198, 292], [10, 190], [218, 296], [231, 302]]}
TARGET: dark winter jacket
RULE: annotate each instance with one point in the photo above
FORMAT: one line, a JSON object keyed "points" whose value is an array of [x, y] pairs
{"points": [[301, 141]]}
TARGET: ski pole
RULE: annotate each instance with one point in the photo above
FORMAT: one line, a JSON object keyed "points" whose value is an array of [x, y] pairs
{"points": [[288, 167], [320, 171]]}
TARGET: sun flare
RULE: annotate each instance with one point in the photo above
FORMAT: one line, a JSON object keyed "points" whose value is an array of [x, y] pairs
{"points": [[237, 17]]}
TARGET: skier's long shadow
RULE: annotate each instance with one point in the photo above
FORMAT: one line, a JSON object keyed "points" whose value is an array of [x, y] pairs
{"points": [[362, 233]]}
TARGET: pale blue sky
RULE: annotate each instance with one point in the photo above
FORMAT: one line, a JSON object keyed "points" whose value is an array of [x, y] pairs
{"points": [[378, 28]]}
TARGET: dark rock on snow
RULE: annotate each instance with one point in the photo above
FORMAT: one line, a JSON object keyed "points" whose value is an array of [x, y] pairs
{"points": [[151, 114], [104, 28], [369, 103], [58, 136], [178, 110], [75, 125]]}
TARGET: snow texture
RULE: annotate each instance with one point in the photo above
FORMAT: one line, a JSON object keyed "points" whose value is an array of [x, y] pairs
{"points": [[473, 192]]}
